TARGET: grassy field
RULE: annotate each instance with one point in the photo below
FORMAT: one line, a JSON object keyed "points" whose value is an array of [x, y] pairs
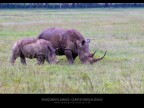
{"points": [[119, 31]]}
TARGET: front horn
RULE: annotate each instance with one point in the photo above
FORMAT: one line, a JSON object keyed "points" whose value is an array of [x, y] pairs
{"points": [[100, 58]]}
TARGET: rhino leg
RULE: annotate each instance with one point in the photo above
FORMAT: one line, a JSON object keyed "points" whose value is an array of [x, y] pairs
{"points": [[13, 58], [40, 59], [43, 60], [23, 60], [69, 56], [74, 56]]}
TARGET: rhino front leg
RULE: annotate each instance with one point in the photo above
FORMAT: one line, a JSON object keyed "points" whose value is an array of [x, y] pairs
{"points": [[13, 58], [23, 60], [74, 56], [43, 60], [40, 59], [69, 56]]}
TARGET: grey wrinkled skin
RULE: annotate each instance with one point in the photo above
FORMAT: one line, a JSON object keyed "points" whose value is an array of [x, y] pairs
{"points": [[33, 48], [70, 43]]}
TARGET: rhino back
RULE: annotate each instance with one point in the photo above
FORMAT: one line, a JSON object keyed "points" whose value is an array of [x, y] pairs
{"points": [[60, 37], [33, 49], [54, 35]]}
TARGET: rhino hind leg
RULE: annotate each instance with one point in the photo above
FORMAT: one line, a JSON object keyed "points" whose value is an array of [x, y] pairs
{"points": [[69, 56]]}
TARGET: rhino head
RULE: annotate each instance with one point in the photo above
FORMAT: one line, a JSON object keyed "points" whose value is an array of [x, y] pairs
{"points": [[51, 55], [85, 55]]}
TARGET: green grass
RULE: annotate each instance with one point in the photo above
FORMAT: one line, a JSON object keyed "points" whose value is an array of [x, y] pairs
{"points": [[119, 31]]}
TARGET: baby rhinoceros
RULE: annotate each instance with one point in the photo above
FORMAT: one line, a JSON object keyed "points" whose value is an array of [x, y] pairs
{"points": [[33, 48]]}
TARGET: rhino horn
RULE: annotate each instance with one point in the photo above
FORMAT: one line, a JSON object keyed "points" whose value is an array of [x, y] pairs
{"points": [[95, 60], [93, 54]]}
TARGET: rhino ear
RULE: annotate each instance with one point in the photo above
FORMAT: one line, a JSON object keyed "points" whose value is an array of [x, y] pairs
{"points": [[88, 40], [78, 43]]}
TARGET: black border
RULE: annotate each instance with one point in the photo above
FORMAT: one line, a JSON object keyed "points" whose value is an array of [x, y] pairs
{"points": [[72, 99]]}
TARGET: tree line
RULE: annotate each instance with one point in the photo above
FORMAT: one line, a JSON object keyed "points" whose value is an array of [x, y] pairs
{"points": [[68, 5]]}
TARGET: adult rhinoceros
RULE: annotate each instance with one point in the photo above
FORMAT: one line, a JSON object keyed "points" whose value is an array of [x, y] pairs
{"points": [[71, 43]]}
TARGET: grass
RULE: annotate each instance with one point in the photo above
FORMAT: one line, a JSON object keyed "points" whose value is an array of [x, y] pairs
{"points": [[119, 31]]}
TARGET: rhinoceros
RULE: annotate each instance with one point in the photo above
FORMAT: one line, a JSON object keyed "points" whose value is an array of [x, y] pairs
{"points": [[33, 48], [70, 43]]}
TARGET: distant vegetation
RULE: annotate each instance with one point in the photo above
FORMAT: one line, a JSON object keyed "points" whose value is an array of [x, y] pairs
{"points": [[69, 5]]}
